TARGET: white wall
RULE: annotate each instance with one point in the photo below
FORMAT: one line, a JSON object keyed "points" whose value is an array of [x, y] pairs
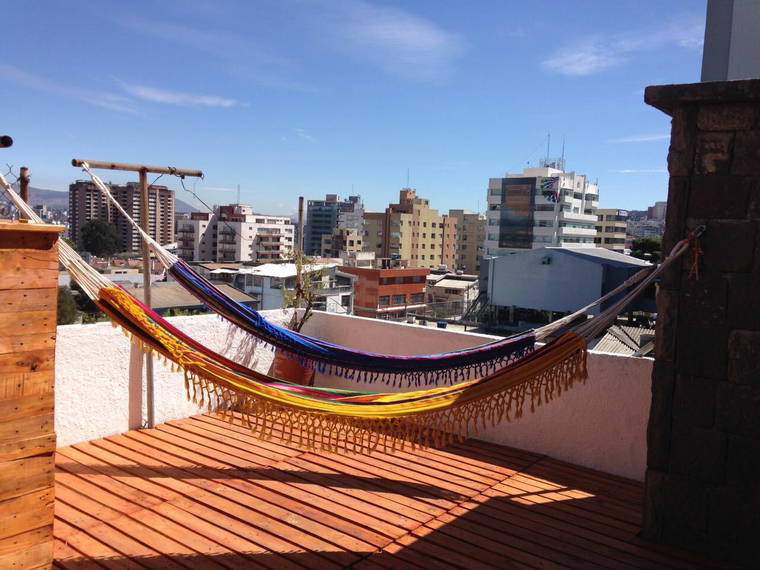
{"points": [[97, 368], [600, 424]]}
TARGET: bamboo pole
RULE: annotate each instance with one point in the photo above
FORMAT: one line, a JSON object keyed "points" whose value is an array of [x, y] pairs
{"points": [[23, 184], [145, 224]]}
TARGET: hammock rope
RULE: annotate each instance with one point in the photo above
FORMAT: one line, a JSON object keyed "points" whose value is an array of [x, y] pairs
{"points": [[326, 357]]}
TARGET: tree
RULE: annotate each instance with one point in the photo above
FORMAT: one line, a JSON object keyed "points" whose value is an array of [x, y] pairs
{"points": [[649, 248], [307, 282], [67, 306], [100, 238]]}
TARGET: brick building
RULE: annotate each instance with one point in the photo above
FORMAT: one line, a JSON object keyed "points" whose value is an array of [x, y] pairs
{"points": [[388, 293]]}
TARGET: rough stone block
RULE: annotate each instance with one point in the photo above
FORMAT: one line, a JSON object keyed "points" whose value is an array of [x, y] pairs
{"points": [[729, 246], [694, 401], [701, 351], [703, 301], [684, 129], [675, 220], [660, 414], [744, 358], [726, 197], [654, 505], [743, 459], [698, 453], [685, 521], [747, 154], [744, 301], [734, 524], [665, 327], [736, 409], [713, 153], [731, 117]]}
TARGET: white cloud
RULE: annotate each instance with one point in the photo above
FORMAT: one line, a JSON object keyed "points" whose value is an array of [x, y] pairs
{"points": [[301, 133], [104, 99], [641, 171], [641, 138], [170, 97], [602, 52], [396, 40]]}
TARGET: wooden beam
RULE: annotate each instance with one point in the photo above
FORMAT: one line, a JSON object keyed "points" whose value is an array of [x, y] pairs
{"points": [[137, 167]]}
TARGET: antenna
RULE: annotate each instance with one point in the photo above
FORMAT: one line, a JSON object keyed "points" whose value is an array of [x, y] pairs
{"points": [[238, 194], [562, 159]]}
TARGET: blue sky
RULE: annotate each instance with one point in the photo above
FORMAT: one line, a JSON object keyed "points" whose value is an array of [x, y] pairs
{"points": [[307, 97]]}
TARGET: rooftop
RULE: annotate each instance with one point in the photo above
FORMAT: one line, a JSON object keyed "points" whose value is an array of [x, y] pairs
{"points": [[202, 493], [170, 295], [278, 270]]}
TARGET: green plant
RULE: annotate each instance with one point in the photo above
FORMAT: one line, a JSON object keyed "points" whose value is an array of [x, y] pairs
{"points": [[67, 306], [303, 294], [649, 248], [100, 238]]}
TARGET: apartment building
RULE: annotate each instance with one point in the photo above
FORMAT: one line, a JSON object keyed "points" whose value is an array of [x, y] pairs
{"points": [[234, 233], [341, 240], [322, 216], [87, 203], [470, 235], [540, 207], [611, 229], [411, 230]]}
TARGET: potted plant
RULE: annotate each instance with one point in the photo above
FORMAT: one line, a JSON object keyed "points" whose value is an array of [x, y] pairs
{"points": [[301, 299]]}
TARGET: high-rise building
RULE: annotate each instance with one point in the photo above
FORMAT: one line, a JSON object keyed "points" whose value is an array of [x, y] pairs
{"points": [[322, 216], [611, 229], [87, 203], [412, 231], [542, 206], [234, 233], [341, 240], [470, 235]]}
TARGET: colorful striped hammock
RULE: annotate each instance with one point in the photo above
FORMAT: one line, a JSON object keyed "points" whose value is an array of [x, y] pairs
{"points": [[351, 363], [345, 420]]}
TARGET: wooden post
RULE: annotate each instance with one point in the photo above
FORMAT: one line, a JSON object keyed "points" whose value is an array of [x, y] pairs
{"points": [[147, 271], [143, 170], [23, 183], [28, 302]]}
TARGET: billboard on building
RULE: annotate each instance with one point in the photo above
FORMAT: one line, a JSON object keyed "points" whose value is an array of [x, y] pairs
{"points": [[517, 205]]}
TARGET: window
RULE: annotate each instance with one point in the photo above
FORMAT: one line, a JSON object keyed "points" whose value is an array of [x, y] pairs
{"points": [[424, 224], [383, 300], [399, 299], [398, 280], [417, 298], [577, 195]]}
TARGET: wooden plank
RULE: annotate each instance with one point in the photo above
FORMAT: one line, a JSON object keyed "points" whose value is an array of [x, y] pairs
{"points": [[23, 476], [11, 544], [23, 406], [26, 428], [27, 323], [27, 512], [35, 552], [28, 269], [26, 384], [27, 361], [12, 301], [26, 342], [24, 230], [20, 448]]}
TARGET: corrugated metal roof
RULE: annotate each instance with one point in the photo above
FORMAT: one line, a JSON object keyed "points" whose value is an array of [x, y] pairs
{"points": [[171, 295], [622, 340]]}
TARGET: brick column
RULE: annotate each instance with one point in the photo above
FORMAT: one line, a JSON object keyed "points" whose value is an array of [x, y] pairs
{"points": [[703, 475]]}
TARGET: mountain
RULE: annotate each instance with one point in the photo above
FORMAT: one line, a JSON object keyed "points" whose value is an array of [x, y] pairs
{"points": [[57, 200]]}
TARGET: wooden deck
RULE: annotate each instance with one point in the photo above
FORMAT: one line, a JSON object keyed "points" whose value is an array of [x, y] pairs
{"points": [[201, 493]]}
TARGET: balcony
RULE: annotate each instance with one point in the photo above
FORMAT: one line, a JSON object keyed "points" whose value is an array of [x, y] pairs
{"points": [[197, 491]]}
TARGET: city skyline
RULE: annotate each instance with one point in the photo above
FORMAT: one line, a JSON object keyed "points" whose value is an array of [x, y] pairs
{"points": [[368, 93]]}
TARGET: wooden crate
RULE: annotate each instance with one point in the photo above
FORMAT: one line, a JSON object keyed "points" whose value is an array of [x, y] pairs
{"points": [[28, 306]]}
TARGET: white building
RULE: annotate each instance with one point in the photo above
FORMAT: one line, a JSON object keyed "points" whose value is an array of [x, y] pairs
{"points": [[234, 233], [540, 207], [333, 288]]}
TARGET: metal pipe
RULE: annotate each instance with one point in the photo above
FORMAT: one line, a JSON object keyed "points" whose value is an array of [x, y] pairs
{"points": [[137, 167]]}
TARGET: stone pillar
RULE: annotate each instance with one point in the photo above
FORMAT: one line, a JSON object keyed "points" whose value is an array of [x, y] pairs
{"points": [[703, 475]]}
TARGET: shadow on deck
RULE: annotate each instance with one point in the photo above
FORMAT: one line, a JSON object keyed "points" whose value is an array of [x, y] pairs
{"points": [[202, 493]]}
